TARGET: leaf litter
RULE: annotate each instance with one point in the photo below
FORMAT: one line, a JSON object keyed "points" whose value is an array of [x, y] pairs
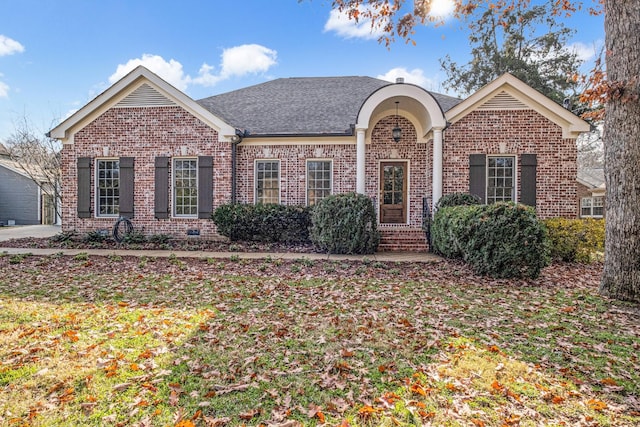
{"points": [[118, 341]]}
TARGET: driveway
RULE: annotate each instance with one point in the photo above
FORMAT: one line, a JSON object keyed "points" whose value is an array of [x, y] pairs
{"points": [[20, 231]]}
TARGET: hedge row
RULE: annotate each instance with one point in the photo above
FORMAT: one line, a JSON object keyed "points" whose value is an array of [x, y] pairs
{"points": [[338, 224], [502, 240], [263, 223], [576, 240]]}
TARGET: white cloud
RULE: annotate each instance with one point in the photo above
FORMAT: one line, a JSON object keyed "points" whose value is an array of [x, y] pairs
{"points": [[340, 23], [9, 46], [584, 51], [235, 61], [4, 89], [170, 71], [415, 76]]}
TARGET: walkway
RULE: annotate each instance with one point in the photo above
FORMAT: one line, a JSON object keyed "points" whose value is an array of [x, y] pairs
{"points": [[41, 231]]}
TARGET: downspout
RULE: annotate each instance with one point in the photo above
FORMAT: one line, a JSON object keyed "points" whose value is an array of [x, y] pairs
{"points": [[237, 139]]}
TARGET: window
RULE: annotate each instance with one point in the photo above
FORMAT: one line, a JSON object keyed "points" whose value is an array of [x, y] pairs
{"points": [[500, 179], [185, 187], [592, 207], [267, 181], [318, 180], [107, 187]]}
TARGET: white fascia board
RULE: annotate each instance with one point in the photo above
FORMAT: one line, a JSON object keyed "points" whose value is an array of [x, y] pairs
{"points": [[122, 88], [571, 125]]}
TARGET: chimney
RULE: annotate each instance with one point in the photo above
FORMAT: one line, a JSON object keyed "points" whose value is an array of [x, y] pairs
{"points": [[399, 79]]}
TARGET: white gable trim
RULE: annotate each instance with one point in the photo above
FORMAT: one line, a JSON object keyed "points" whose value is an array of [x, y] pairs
{"points": [[571, 125], [124, 87]]}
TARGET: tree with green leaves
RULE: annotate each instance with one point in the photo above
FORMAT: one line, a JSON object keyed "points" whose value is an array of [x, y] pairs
{"points": [[617, 88], [524, 41]]}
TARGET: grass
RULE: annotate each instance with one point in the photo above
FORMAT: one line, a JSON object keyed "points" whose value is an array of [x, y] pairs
{"points": [[128, 341]]}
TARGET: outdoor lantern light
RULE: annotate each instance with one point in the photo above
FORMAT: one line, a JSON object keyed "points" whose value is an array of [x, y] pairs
{"points": [[396, 133]]}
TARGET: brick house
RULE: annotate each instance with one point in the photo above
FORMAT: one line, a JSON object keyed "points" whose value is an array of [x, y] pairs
{"points": [[145, 150]]}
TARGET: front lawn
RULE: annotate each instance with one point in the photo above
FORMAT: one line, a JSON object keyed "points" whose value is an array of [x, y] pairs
{"points": [[145, 341]]}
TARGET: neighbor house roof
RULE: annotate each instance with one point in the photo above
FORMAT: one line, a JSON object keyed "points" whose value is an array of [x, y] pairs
{"points": [[591, 177], [301, 105]]}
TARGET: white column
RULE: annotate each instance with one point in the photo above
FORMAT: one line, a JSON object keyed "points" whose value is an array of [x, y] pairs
{"points": [[436, 193], [360, 161]]}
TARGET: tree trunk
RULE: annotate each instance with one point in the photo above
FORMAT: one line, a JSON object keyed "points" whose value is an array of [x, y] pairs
{"points": [[621, 276]]}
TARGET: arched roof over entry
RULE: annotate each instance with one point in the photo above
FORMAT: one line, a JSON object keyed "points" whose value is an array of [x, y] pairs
{"points": [[414, 103]]}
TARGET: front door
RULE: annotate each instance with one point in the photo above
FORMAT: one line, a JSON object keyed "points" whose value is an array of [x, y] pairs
{"points": [[393, 192]]}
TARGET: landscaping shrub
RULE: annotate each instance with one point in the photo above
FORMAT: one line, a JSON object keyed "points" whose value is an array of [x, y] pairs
{"points": [[507, 241], [263, 222], [451, 227], [575, 240], [345, 224], [457, 199], [502, 240]]}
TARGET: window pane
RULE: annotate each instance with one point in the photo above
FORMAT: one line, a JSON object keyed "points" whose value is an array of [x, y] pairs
{"points": [[185, 187], [500, 182], [107, 187], [318, 180], [267, 182]]}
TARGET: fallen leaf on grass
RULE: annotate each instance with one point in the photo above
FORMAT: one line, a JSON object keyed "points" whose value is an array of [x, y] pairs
{"points": [[250, 414], [596, 405]]}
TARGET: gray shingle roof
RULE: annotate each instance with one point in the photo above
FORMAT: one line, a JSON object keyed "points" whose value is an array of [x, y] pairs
{"points": [[593, 177], [300, 106]]}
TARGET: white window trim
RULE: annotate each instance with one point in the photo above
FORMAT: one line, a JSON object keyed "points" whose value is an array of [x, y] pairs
{"points": [[306, 177], [173, 183], [255, 179], [96, 196], [592, 198], [515, 176]]}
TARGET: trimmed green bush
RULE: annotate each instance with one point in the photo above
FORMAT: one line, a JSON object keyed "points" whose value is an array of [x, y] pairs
{"points": [[507, 241], [576, 240], [345, 224], [451, 228], [502, 240], [263, 223], [457, 199]]}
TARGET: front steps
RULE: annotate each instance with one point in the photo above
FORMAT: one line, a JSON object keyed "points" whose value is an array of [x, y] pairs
{"points": [[402, 240]]}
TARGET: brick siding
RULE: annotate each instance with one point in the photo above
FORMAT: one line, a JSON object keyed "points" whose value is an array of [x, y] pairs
{"points": [[145, 133], [521, 132]]}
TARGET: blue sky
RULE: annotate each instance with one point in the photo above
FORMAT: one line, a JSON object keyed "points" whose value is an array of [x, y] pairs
{"points": [[55, 56]]}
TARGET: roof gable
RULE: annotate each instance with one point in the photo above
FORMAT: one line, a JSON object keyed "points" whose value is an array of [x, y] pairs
{"points": [[139, 88], [509, 93]]}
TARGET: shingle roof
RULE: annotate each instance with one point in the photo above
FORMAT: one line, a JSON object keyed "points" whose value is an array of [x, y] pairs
{"points": [[593, 177], [300, 106]]}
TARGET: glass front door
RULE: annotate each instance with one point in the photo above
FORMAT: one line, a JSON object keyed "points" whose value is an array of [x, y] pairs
{"points": [[393, 192]]}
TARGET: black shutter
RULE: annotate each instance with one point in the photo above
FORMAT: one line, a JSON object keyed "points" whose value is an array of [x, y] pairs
{"points": [[205, 187], [126, 186], [478, 176], [528, 164], [161, 200], [84, 187]]}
